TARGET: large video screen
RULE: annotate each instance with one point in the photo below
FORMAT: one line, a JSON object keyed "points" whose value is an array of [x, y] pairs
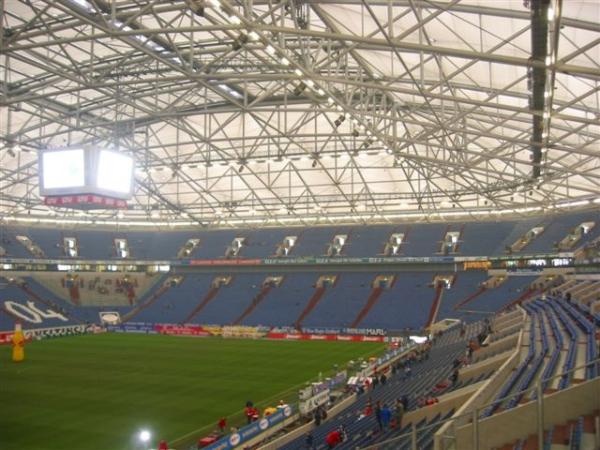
{"points": [[115, 172], [85, 171], [63, 169]]}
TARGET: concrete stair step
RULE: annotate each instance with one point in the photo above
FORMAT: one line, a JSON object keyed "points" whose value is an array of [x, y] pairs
{"points": [[588, 442], [507, 447], [589, 425], [559, 447], [561, 435], [530, 443]]}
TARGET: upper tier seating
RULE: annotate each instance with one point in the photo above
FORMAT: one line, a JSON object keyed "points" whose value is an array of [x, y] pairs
{"points": [[314, 241], [423, 240], [485, 238], [8, 241], [518, 231], [263, 243], [369, 240]]}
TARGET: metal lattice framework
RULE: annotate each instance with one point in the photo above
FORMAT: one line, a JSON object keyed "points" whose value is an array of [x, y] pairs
{"points": [[262, 112]]}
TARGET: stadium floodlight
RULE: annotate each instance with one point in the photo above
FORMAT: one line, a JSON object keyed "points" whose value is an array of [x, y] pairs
{"points": [[144, 436]]}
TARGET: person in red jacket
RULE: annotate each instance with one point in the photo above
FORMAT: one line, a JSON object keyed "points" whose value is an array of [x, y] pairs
{"points": [[222, 424], [162, 445], [333, 438], [251, 412]]}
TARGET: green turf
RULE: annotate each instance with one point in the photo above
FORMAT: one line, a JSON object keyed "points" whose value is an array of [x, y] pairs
{"points": [[94, 392]]}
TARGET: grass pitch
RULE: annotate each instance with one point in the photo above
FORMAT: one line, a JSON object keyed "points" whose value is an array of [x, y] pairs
{"points": [[97, 391]]}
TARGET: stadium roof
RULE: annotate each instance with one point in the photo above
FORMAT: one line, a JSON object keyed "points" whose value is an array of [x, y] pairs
{"points": [[299, 112]]}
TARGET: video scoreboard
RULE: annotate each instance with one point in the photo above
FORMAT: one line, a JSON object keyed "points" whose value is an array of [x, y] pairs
{"points": [[86, 177]]}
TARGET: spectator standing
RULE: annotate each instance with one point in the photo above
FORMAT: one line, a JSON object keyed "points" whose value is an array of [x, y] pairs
{"points": [[222, 424], [162, 445], [378, 415], [386, 417], [249, 411], [454, 377], [404, 400], [399, 413], [470, 349], [320, 415]]}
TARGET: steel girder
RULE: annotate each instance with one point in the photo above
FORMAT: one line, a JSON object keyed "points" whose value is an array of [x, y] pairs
{"points": [[414, 106]]}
